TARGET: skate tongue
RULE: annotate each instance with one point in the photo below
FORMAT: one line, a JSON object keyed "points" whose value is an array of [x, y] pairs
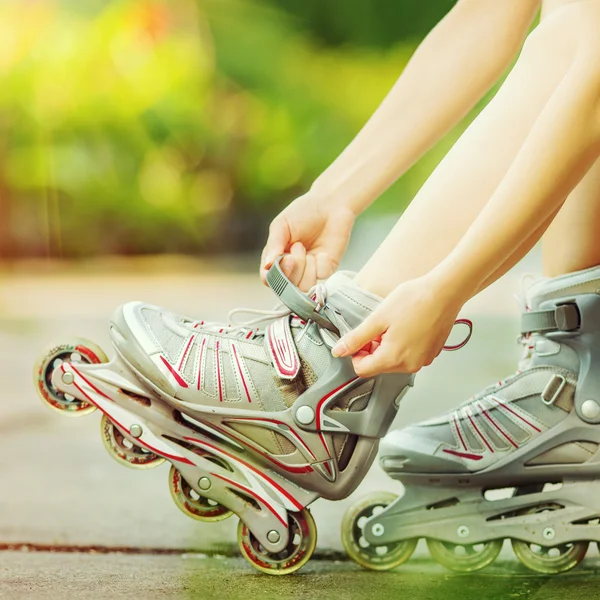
{"points": [[281, 347], [338, 280], [349, 300]]}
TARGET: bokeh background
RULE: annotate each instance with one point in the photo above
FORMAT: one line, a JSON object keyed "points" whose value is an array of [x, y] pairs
{"points": [[147, 127], [145, 145]]}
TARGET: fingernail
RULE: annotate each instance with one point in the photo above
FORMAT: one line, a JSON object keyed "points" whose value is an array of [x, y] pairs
{"points": [[339, 349], [269, 260]]}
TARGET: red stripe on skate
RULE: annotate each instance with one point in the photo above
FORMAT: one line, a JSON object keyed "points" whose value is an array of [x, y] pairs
{"points": [[201, 355], [456, 424], [467, 412], [218, 361], [254, 495], [485, 413], [186, 351], [320, 403], [253, 469], [88, 382], [505, 406], [292, 431], [237, 362], [175, 374], [463, 454], [137, 440]]}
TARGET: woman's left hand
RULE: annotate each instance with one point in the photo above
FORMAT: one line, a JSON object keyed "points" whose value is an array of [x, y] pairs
{"points": [[406, 331]]}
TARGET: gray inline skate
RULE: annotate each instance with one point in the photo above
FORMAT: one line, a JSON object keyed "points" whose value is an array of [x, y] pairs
{"points": [[518, 461], [256, 422]]}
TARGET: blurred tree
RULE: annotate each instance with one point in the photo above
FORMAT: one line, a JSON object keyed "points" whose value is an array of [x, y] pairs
{"points": [[144, 126], [376, 23]]}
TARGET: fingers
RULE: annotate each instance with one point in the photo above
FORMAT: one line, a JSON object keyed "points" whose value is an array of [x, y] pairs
{"points": [[325, 266], [368, 365], [310, 273], [277, 243], [294, 263], [384, 359], [302, 268], [368, 331], [287, 265], [389, 357]]}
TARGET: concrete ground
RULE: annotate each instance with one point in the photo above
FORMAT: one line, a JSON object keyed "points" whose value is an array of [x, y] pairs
{"points": [[25, 576], [75, 523]]}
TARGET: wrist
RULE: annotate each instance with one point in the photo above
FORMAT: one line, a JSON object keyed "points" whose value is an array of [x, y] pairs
{"points": [[452, 283], [337, 196]]}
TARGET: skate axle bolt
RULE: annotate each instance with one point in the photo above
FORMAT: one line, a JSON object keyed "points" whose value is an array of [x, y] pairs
{"points": [[204, 483], [549, 533], [378, 529], [590, 409], [273, 536], [305, 415], [463, 531], [68, 378], [136, 430]]}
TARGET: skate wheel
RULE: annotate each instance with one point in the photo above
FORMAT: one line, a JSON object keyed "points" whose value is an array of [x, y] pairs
{"points": [[123, 450], [193, 504], [464, 558], [77, 351], [378, 558], [549, 559], [301, 545]]}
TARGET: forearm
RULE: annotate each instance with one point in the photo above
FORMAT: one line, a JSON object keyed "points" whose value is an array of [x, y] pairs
{"points": [[562, 146], [450, 71]]}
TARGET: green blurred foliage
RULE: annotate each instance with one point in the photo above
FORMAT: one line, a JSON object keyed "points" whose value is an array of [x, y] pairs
{"points": [[376, 23], [142, 126]]}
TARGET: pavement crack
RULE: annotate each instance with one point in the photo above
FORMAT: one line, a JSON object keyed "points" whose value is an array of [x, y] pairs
{"points": [[228, 551], [99, 549]]}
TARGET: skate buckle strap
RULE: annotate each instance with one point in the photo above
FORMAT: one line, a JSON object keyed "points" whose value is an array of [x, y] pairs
{"points": [[282, 348], [553, 389], [296, 300], [564, 317]]}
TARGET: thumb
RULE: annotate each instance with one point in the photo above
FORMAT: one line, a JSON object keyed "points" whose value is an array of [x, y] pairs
{"points": [[356, 339], [277, 242]]}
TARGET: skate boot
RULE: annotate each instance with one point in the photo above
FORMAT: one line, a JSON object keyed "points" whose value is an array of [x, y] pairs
{"points": [[518, 461], [256, 422]]}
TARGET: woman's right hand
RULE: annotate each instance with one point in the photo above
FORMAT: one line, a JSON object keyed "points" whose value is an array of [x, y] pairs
{"points": [[313, 234]]}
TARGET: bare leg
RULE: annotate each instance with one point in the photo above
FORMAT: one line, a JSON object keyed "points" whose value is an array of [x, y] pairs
{"points": [[456, 192], [572, 242]]}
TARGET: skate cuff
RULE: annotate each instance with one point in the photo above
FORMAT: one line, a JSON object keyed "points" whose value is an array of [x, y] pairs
{"points": [[564, 317]]}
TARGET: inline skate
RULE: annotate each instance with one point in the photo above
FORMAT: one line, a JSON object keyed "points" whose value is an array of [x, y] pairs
{"points": [[518, 461], [259, 422]]}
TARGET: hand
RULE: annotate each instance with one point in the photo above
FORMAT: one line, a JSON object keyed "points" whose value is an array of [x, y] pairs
{"points": [[313, 234], [406, 332]]}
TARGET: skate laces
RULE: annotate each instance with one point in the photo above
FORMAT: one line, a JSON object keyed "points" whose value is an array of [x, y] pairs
{"points": [[245, 327], [524, 339]]}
